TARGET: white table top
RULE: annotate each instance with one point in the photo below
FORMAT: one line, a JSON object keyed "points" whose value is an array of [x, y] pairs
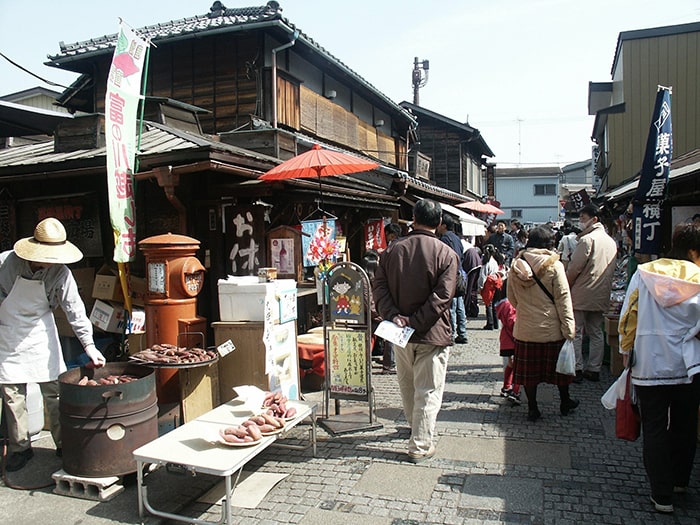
{"points": [[194, 444]]}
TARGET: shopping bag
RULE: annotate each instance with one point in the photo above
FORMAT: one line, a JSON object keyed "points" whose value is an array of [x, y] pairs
{"points": [[627, 419], [566, 363], [615, 392]]}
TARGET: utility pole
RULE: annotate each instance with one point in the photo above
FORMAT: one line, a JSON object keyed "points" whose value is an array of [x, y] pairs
{"points": [[519, 140], [420, 77]]}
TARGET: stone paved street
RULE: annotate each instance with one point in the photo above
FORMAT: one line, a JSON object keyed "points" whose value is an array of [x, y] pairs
{"points": [[492, 466]]}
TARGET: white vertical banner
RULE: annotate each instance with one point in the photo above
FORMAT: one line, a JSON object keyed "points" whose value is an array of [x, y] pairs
{"points": [[121, 106]]}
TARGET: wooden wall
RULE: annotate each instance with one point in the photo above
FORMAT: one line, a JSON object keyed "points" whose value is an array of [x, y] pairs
{"points": [[446, 156], [223, 75], [322, 117], [216, 73]]}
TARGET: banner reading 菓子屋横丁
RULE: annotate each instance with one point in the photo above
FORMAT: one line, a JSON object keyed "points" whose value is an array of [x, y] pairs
{"points": [[121, 107], [653, 179]]}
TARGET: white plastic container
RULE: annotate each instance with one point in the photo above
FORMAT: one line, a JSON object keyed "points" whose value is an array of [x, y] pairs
{"points": [[243, 298], [35, 408]]}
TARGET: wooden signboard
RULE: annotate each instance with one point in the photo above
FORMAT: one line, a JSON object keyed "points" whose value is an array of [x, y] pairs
{"points": [[347, 338], [284, 252], [78, 214], [347, 362]]}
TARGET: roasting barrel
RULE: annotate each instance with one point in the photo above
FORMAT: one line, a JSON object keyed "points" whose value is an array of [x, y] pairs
{"points": [[102, 425]]}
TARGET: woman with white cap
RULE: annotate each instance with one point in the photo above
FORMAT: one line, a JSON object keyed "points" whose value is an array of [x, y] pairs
{"points": [[34, 279]]}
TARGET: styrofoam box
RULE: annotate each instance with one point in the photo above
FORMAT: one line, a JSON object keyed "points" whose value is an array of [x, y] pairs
{"points": [[35, 408], [243, 298]]}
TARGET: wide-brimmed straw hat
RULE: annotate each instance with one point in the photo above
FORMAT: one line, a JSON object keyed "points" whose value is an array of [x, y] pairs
{"points": [[49, 245]]}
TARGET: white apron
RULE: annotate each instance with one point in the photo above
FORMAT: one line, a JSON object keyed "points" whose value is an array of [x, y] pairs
{"points": [[30, 351]]}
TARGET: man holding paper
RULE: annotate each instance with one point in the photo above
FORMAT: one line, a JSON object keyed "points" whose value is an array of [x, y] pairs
{"points": [[413, 287]]}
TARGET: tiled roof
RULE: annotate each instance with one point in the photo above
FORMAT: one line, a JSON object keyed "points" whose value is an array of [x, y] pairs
{"points": [[156, 139], [218, 17]]}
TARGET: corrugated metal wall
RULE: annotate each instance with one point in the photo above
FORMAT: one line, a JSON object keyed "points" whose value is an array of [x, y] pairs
{"points": [[672, 60]]}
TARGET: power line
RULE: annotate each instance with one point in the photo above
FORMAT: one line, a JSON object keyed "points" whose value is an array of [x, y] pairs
{"points": [[49, 82]]}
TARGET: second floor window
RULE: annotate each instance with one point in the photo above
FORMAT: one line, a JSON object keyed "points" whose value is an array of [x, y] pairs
{"points": [[545, 189], [516, 214]]}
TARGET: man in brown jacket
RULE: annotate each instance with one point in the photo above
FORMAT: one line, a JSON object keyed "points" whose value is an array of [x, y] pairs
{"points": [[590, 273], [414, 286]]}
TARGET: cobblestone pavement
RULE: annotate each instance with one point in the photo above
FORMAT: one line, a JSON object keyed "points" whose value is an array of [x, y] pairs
{"points": [[492, 466]]}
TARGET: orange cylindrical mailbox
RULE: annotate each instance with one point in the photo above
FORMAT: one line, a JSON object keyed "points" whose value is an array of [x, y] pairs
{"points": [[174, 277]]}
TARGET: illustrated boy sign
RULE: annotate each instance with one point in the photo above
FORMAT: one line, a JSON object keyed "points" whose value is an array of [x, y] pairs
{"points": [[347, 296]]}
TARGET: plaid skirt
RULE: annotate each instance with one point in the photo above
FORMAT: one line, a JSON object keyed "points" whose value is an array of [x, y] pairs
{"points": [[536, 363]]}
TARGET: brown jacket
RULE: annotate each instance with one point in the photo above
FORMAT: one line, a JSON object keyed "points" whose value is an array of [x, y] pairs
{"points": [[538, 318], [591, 268], [417, 276]]}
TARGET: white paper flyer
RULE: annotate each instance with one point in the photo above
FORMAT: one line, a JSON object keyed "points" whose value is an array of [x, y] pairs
{"points": [[394, 333]]}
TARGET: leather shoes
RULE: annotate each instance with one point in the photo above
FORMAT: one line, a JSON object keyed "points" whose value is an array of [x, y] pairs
{"points": [[461, 340], [534, 415], [17, 460], [567, 406], [591, 376], [579, 376]]}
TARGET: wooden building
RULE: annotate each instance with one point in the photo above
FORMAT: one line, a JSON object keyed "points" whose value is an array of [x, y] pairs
{"points": [[644, 59], [453, 153], [229, 95]]}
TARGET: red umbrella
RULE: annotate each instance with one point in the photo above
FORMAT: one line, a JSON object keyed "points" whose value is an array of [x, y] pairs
{"points": [[318, 162], [481, 207]]}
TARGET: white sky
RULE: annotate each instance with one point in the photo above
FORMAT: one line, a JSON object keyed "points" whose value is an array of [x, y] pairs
{"points": [[518, 70]]}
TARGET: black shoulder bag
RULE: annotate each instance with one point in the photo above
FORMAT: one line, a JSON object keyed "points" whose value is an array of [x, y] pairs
{"points": [[537, 280]]}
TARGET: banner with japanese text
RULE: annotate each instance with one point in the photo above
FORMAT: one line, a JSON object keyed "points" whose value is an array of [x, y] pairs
{"points": [[374, 235], [653, 179], [121, 107], [580, 199]]}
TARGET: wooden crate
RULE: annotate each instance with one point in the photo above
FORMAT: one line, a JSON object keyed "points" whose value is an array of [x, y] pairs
{"points": [[616, 363]]}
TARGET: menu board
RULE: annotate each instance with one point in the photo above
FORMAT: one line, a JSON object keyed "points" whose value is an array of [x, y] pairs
{"points": [[347, 362], [78, 214]]}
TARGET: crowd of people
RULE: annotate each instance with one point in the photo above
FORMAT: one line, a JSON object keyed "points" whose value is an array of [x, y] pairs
{"points": [[543, 288]]}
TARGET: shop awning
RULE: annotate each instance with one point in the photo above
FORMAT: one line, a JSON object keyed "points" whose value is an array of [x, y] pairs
{"points": [[686, 165], [470, 225]]}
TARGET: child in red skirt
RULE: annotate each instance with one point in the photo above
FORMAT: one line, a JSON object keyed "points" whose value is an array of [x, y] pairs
{"points": [[494, 291]]}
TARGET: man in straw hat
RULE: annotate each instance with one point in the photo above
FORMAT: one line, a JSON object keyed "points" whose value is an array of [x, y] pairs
{"points": [[34, 279]]}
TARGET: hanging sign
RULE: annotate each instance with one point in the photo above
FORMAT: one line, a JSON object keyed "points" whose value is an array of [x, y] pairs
{"points": [[318, 241], [374, 235]]}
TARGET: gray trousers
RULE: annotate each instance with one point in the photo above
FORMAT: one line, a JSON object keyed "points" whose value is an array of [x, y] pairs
{"points": [[592, 324], [14, 402]]}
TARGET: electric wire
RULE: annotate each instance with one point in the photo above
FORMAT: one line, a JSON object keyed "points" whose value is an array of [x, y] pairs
{"points": [[49, 82]]}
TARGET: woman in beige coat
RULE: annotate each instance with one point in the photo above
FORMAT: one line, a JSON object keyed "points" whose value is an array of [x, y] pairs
{"points": [[544, 319]]}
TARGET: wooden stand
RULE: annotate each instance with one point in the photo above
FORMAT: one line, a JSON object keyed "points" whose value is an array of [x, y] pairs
{"points": [[246, 364]]}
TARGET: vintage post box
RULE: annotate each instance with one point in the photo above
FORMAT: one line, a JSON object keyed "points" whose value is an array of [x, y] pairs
{"points": [[174, 278]]}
